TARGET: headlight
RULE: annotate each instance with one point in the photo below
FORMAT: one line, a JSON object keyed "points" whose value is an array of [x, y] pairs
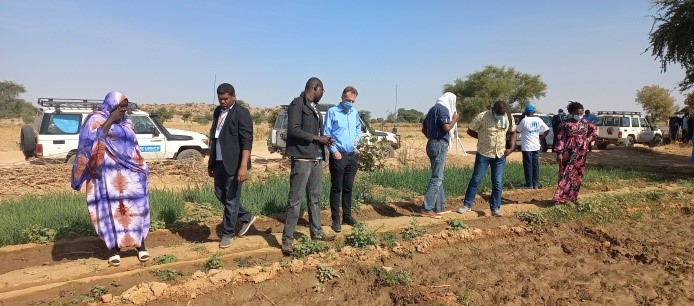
{"points": [[206, 141]]}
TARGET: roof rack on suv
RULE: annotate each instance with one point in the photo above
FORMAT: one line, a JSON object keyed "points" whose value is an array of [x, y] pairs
{"points": [[76, 103], [618, 113]]}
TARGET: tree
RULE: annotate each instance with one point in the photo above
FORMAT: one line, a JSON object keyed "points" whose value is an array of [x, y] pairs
{"points": [[479, 90], [656, 101], [202, 119], [689, 102], [409, 115], [365, 115], [186, 116], [164, 114], [11, 106], [672, 37]]}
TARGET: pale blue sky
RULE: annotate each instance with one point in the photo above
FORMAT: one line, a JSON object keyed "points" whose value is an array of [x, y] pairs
{"points": [[170, 51]]}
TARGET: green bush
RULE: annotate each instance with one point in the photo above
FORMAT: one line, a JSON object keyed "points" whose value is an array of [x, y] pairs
{"points": [[306, 246], [361, 236]]}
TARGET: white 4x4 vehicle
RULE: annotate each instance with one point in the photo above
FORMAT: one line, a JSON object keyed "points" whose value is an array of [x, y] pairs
{"points": [[626, 128], [277, 140], [55, 133]]}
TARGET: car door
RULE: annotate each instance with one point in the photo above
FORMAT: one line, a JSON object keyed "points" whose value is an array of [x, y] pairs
{"points": [[152, 141], [646, 133]]}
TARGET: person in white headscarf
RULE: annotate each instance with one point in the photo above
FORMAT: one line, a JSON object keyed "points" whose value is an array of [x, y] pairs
{"points": [[438, 127]]}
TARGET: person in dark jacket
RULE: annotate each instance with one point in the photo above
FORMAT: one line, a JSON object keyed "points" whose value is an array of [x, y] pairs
{"points": [[231, 138], [556, 120], [306, 148]]}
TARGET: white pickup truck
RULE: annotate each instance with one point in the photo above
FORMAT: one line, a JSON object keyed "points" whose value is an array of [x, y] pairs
{"points": [[55, 133]]}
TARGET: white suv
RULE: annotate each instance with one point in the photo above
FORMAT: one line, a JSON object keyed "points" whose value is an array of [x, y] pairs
{"points": [[626, 129], [55, 133]]}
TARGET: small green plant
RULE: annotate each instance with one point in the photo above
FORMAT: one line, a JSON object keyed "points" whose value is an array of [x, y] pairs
{"points": [[214, 262], [306, 246], [39, 234], [388, 240], [361, 236], [201, 249], [465, 299], [413, 231], [533, 218], [244, 262], [389, 278], [155, 225], [166, 275], [97, 291], [371, 155], [326, 273], [456, 225], [165, 259]]}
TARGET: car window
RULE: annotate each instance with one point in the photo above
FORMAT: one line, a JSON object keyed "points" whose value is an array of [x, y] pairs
{"points": [[634, 122], [625, 122], [644, 122], [61, 124], [610, 121], [281, 122], [547, 120], [142, 124]]}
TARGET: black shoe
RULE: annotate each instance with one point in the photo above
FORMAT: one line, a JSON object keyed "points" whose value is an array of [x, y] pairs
{"points": [[349, 221], [324, 237], [336, 227], [287, 248]]}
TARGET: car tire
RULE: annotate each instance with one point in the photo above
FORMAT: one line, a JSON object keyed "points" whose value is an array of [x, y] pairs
{"points": [[27, 141], [630, 141], [656, 141], [190, 155], [71, 159], [602, 146]]}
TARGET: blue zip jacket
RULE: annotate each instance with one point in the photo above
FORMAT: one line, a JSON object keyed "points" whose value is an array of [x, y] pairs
{"points": [[344, 126]]}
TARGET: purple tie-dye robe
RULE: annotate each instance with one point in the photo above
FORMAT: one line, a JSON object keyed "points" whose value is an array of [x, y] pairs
{"points": [[116, 177]]}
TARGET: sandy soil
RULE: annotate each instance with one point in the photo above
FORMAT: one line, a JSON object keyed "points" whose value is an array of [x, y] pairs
{"points": [[500, 261]]}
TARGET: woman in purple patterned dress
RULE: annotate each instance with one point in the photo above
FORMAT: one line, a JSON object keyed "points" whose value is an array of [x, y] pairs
{"points": [[573, 138], [116, 176]]}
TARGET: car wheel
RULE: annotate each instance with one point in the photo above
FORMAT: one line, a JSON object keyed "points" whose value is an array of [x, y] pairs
{"points": [[630, 141], [27, 141], [190, 155], [602, 146], [71, 160], [656, 141], [388, 151]]}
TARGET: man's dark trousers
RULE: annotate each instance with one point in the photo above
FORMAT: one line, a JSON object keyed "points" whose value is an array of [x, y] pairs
{"points": [[342, 174], [228, 191]]}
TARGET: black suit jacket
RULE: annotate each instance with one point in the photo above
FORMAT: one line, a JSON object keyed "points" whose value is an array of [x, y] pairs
{"points": [[236, 136]]}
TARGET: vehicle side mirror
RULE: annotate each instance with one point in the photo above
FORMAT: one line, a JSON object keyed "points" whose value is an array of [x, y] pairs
{"points": [[155, 131]]}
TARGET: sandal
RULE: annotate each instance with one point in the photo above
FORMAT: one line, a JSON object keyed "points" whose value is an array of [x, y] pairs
{"points": [[143, 255], [114, 260]]}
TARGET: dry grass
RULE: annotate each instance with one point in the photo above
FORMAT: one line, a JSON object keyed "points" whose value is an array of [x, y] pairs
{"points": [[9, 135]]}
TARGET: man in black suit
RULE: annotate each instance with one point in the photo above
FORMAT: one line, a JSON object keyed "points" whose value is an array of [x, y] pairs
{"points": [[306, 147], [231, 138]]}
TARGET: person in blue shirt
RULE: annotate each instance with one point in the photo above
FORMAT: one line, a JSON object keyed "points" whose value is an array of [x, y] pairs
{"points": [[438, 126], [343, 125]]}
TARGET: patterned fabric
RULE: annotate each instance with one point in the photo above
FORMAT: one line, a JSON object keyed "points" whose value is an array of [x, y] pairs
{"points": [[572, 144], [116, 177], [491, 140]]}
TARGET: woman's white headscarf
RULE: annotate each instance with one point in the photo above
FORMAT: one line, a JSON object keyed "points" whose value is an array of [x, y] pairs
{"points": [[448, 101]]}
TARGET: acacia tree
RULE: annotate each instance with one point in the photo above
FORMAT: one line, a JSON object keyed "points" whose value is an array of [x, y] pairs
{"points": [[11, 106], [672, 37], [656, 101], [479, 90]]}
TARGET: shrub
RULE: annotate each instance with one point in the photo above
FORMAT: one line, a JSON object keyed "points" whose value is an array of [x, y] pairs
{"points": [[413, 231], [456, 225], [214, 262], [326, 273], [361, 236], [306, 246]]}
